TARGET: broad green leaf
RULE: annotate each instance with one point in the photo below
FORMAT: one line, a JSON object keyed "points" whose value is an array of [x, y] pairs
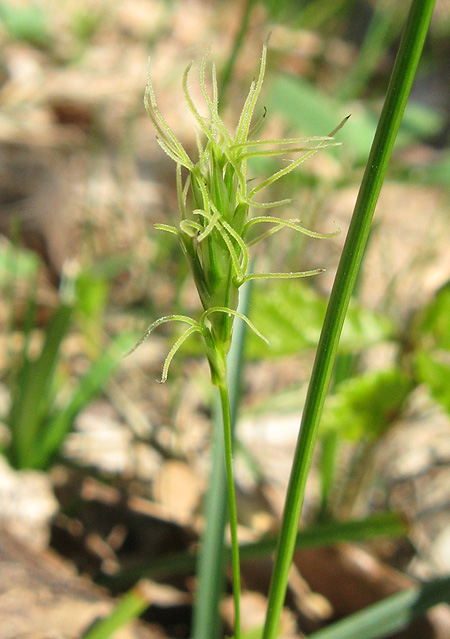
{"points": [[306, 108], [435, 172], [311, 15], [431, 332], [290, 315], [433, 369], [91, 297], [91, 294], [16, 263], [364, 406], [130, 606], [26, 22], [432, 327], [420, 122], [363, 328]]}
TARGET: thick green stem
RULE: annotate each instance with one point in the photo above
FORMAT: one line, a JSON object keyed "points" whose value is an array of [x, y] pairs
{"points": [[396, 98], [232, 510]]}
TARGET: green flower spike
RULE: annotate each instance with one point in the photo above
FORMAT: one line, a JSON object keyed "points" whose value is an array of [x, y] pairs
{"points": [[214, 199]]}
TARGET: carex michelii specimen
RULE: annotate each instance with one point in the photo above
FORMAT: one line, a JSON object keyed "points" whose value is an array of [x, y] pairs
{"points": [[215, 197]]}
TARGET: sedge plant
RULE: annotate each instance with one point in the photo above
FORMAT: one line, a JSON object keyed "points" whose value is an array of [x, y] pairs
{"points": [[215, 197], [216, 233]]}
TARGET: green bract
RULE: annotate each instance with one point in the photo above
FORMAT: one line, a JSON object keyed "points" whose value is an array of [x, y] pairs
{"points": [[214, 200]]}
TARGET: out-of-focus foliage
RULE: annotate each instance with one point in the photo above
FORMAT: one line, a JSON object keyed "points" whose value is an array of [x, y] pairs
{"points": [[308, 108], [25, 22], [432, 359], [363, 407], [44, 400], [290, 315]]}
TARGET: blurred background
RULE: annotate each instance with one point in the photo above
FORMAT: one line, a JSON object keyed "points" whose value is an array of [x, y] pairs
{"points": [[104, 464]]}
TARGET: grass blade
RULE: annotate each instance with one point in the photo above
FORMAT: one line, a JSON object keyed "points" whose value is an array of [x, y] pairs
{"points": [[319, 535], [130, 606], [397, 94], [57, 428], [389, 616], [33, 393]]}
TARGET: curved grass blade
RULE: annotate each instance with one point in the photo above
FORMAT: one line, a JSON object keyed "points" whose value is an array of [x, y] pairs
{"points": [[129, 607]]}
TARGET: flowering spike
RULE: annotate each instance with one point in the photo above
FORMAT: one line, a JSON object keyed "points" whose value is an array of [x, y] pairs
{"points": [[258, 124], [254, 143], [190, 228], [214, 201], [212, 105]]}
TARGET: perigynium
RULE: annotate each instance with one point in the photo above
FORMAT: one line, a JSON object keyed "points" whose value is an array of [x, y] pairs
{"points": [[215, 196]]}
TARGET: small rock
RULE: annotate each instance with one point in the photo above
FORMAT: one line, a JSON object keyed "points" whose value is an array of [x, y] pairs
{"points": [[27, 504]]}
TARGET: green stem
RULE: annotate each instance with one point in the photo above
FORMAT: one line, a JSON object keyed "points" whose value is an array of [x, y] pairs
{"points": [[212, 558], [211, 564], [232, 510], [397, 94]]}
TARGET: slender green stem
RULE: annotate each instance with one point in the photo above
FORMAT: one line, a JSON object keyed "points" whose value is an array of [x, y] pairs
{"points": [[213, 556], [211, 563], [232, 510], [396, 98]]}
